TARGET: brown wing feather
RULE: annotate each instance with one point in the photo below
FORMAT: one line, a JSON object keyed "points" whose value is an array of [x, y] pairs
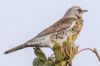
{"points": [[63, 23]]}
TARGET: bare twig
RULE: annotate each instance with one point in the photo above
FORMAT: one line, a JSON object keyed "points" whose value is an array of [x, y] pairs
{"points": [[93, 50]]}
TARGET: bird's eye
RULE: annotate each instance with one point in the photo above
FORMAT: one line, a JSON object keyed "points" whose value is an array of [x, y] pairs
{"points": [[79, 10]]}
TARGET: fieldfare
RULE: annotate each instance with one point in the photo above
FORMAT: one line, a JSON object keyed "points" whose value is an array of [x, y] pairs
{"points": [[70, 24]]}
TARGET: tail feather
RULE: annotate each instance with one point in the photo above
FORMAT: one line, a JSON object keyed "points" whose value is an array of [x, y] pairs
{"points": [[22, 47], [16, 48]]}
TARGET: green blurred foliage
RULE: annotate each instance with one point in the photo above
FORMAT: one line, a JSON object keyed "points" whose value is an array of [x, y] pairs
{"points": [[62, 55]]}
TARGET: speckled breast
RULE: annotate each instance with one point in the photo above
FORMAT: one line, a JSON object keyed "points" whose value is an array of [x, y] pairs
{"points": [[68, 34]]}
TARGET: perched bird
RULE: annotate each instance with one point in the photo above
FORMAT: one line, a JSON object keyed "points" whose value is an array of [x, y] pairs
{"points": [[70, 24]]}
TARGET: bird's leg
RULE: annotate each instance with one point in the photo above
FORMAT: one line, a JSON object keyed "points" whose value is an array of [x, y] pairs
{"points": [[37, 47]]}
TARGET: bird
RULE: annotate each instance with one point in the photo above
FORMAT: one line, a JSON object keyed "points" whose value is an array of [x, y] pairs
{"points": [[70, 24]]}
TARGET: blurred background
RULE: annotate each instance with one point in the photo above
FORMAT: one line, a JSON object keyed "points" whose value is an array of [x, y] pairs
{"points": [[21, 20]]}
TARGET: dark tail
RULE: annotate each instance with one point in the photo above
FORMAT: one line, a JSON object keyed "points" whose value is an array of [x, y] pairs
{"points": [[24, 46], [16, 48]]}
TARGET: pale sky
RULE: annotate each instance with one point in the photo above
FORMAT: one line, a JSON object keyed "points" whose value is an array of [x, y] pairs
{"points": [[21, 20]]}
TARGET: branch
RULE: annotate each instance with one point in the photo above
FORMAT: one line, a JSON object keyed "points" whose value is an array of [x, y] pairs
{"points": [[63, 55], [93, 50]]}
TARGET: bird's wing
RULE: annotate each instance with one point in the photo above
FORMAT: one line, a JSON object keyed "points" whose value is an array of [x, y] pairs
{"points": [[63, 23]]}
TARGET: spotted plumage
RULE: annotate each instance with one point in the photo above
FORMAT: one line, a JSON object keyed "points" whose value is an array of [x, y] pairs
{"points": [[62, 35], [69, 25]]}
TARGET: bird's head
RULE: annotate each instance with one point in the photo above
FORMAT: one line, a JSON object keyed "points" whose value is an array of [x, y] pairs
{"points": [[75, 12]]}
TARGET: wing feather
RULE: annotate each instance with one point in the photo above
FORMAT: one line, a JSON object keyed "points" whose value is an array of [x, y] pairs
{"points": [[63, 23]]}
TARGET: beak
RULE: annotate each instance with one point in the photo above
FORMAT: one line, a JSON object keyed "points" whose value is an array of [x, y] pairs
{"points": [[84, 10]]}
